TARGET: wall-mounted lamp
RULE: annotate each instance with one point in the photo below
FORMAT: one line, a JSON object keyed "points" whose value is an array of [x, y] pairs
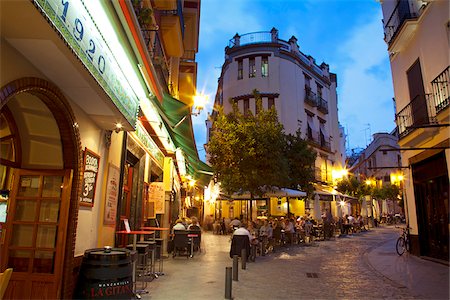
{"points": [[118, 127], [199, 104]]}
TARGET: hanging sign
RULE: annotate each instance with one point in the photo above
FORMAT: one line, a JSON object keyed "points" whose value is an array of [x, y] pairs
{"points": [[90, 172]]}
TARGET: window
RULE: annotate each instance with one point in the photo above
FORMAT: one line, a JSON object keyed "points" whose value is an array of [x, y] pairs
{"points": [[270, 102], [251, 67], [240, 69], [265, 66], [307, 82], [246, 106], [319, 90]]}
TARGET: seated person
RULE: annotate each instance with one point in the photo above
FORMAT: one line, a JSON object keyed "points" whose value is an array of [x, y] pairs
{"points": [[179, 225], [238, 244], [235, 223], [194, 225]]}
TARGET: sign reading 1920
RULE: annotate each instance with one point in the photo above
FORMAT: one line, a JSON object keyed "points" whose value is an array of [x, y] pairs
{"points": [[91, 165]]}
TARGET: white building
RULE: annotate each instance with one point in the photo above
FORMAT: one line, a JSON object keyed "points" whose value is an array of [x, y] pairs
{"points": [[303, 92], [418, 37]]}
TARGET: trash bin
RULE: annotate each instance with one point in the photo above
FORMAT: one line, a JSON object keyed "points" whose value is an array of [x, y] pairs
{"points": [[105, 273]]}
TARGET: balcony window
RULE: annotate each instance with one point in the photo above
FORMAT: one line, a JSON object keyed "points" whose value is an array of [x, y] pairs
{"points": [[240, 69], [251, 67], [307, 82], [265, 66]]}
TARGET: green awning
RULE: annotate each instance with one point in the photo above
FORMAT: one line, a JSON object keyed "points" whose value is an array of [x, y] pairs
{"points": [[177, 118]]}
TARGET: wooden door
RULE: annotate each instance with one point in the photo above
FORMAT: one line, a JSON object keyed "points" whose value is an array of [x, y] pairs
{"points": [[419, 109], [36, 227], [125, 203]]}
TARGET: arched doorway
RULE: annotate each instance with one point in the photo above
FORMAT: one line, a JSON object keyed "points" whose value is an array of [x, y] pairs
{"points": [[39, 177]]}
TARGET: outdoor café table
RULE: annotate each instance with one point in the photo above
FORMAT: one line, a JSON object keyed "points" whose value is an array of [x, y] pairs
{"points": [[135, 233], [153, 254]]}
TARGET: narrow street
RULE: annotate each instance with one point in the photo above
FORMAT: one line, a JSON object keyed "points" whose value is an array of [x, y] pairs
{"points": [[360, 266]]}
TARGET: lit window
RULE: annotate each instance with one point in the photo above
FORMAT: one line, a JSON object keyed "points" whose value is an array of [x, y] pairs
{"points": [[265, 66], [251, 68]]}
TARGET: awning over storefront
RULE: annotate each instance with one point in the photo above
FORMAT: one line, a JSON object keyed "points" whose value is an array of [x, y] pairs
{"points": [[273, 192], [326, 192], [177, 118]]}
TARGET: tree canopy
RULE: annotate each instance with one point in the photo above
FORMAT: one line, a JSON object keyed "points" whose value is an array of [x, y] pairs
{"points": [[250, 152]]}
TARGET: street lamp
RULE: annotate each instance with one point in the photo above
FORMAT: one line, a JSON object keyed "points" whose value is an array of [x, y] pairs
{"points": [[199, 104]]}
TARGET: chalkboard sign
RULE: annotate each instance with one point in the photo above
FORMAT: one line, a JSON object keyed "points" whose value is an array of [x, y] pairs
{"points": [[91, 165]]}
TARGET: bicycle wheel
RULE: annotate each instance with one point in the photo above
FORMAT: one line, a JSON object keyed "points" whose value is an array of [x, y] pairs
{"points": [[400, 246]]}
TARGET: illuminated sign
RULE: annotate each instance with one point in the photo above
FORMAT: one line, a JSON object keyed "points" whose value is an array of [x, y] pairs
{"points": [[76, 25]]}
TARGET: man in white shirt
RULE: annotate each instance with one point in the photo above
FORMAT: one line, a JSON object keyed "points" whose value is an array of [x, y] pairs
{"points": [[243, 231], [179, 225]]}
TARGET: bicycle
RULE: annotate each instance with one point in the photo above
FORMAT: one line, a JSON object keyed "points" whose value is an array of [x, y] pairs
{"points": [[402, 244]]}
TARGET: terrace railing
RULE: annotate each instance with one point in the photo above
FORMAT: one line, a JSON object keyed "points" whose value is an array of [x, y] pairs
{"points": [[401, 13]]}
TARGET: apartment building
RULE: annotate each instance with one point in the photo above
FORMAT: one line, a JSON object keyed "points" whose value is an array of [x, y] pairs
{"points": [[302, 91], [417, 34]]}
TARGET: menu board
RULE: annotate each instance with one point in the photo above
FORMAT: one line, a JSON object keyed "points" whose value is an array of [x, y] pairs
{"points": [[156, 195], [90, 173], [112, 194]]}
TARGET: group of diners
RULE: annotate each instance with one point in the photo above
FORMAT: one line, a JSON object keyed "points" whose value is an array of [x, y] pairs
{"points": [[268, 233]]}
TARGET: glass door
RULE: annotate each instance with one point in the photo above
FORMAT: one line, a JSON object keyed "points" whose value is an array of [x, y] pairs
{"points": [[35, 232]]}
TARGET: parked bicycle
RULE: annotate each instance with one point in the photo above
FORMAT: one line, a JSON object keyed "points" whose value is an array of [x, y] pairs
{"points": [[403, 241]]}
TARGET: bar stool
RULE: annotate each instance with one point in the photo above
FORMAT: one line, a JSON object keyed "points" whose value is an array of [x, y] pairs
{"points": [[142, 262], [151, 245]]}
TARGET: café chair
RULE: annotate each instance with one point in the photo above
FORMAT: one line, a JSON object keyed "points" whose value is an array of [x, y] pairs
{"points": [[4, 280]]}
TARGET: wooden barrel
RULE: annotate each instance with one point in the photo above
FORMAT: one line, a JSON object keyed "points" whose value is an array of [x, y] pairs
{"points": [[105, 273]]}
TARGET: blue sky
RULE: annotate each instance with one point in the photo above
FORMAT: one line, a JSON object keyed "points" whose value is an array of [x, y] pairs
{"points": [[346, 34]]}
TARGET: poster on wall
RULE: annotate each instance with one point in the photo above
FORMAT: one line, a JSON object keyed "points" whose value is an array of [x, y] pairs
{"points": [[90, 172], [156, 194], [112, 193]]}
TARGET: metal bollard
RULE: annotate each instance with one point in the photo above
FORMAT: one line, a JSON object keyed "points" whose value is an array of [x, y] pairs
{"points": [[244, 259], [228, 283], [235, 267]]}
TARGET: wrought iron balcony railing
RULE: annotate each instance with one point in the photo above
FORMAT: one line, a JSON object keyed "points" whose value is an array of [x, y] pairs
{"points": [[441, 90], [322, 105], [310, 97], [401, 13], [318, 139], [422, 111]]}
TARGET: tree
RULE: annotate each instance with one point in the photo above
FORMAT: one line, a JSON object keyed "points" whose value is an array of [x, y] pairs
{"points": [[300, 159], [246, 151]]}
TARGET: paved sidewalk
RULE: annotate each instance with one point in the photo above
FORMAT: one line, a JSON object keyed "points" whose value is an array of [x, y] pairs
{"points": [[360, 266], [425, 278]]}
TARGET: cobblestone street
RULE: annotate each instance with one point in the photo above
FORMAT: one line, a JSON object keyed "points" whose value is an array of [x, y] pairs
{"points": [[352, 267]]}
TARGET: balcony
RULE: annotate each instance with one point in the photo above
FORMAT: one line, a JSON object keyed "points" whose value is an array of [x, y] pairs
{"points": [[322, 105], [172, 26], [401, 25], [423, 111], [318, 139], [310, 97], [441, 91], [419, 113]]}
